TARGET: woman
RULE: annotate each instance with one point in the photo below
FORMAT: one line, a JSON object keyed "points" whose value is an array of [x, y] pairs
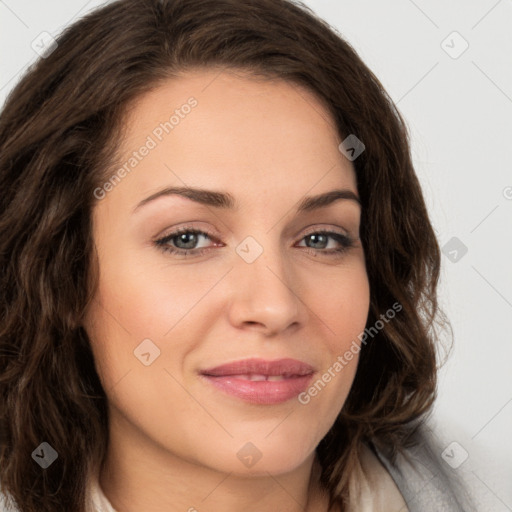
{"points": [[219, 272]]}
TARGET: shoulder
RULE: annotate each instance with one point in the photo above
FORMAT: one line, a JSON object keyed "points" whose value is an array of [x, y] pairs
{"points": [[422, 476]]}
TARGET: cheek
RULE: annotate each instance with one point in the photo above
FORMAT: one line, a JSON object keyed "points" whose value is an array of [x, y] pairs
{"points": [[147, 299], [342, 304], [138, 300], [341, 300]]}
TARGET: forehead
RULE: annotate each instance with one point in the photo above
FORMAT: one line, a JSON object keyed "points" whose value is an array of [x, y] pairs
{"points": [[217, 129]]}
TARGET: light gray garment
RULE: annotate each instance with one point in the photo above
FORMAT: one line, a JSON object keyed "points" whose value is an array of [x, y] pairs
{"points": [[424, 479]]}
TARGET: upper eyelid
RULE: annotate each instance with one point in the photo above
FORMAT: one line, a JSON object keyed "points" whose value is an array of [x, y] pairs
{"points": [[186, 229], [215, 233], [314, 229]]}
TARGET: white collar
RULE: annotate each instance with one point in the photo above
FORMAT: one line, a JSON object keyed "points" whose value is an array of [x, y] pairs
{"points": [[98, 502]]}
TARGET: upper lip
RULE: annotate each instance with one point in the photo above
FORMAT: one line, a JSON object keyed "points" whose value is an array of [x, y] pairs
{"points": [[285, 367]]}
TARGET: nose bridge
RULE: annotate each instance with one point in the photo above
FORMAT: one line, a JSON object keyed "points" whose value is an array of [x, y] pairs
{"points": [[264, 286]]}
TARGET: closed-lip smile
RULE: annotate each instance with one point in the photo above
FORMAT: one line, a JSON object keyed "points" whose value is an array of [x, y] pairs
{"points": [[261, 381]]}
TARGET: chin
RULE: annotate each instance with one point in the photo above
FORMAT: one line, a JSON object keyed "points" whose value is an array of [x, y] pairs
{"points": [[260, 457]]}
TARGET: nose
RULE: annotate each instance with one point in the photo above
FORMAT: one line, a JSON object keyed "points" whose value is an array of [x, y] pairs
{"points": [[265, 295]]}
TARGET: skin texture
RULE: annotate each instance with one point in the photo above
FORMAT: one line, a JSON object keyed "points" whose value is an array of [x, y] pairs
{"points": [[174, 438]]}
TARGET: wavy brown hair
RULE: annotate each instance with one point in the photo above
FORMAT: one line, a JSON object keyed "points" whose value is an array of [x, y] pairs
{"points": [[58, 133]]}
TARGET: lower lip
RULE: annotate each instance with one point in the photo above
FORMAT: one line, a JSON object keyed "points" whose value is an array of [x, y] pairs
{"points": [[261, 392]]}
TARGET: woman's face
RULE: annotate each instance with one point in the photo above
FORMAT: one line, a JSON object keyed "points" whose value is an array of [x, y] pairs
{"points": [[255, 282]]}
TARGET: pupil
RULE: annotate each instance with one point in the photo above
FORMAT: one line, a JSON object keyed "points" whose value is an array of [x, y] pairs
{"points": [[317, 239], [183, 238]]}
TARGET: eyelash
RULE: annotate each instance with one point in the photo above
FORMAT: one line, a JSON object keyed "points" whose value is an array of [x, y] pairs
{"points": [[162, 243]]}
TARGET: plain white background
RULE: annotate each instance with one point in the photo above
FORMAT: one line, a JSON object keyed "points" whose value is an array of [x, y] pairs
{"points": [[455, 92]]}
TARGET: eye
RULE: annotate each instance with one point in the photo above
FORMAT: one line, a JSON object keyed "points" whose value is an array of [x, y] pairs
{"points": [[194, 242], [184, 240], [320, 240]]}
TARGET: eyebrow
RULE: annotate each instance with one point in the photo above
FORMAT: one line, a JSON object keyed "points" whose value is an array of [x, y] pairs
{"points": [[225, 200]]}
